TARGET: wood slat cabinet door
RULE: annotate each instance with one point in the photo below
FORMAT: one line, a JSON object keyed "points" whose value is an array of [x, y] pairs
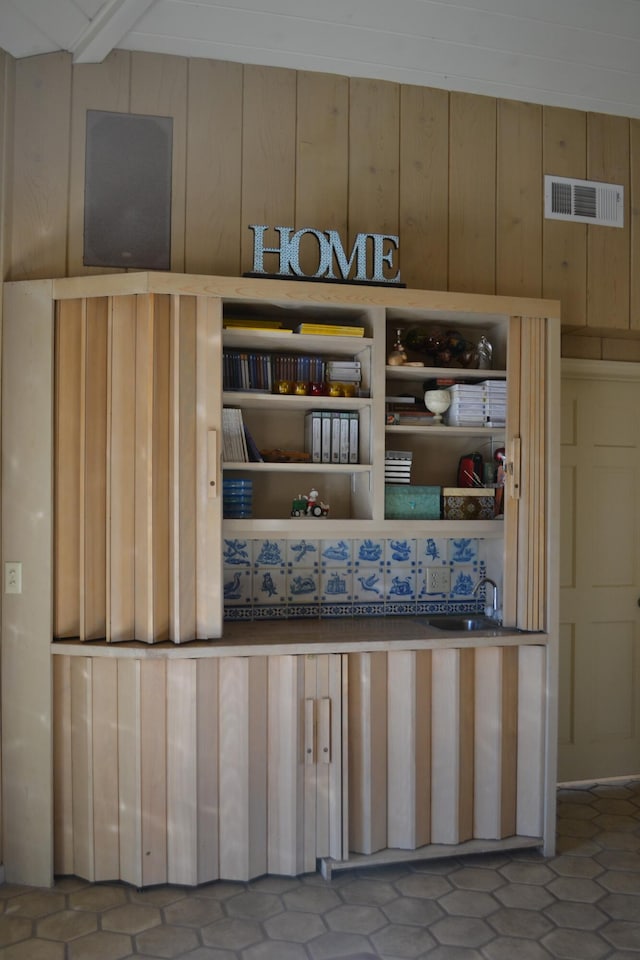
{"points": [[137, 503], [304, 761]]}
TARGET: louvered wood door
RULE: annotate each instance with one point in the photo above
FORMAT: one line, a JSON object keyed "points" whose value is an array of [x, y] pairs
{"points": [[530, 560], [137, 511]]}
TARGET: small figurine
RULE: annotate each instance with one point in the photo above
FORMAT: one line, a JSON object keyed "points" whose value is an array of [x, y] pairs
{"points": [[309, 505], [398, 354]]}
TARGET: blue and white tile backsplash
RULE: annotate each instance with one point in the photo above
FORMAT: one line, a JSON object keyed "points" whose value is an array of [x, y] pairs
{"points": [[271, 578]]}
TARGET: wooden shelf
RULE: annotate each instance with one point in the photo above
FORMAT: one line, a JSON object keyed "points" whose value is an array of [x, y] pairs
{"points": [[276, 342], [422, 430], [289, 528], [248, 399], [266, 467], [431, 373]]}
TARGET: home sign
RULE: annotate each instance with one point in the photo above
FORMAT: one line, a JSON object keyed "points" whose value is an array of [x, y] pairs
{"points": [[367, 257]]}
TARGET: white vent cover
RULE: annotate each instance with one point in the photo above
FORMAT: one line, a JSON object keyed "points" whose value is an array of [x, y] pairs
{"points": [[583, 201]]}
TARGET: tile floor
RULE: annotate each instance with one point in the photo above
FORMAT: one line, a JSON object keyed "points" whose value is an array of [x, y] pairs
{"points": [[582, 904]]}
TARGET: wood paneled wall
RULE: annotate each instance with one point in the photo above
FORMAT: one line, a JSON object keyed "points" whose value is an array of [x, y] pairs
{"points": [[457, 176]]}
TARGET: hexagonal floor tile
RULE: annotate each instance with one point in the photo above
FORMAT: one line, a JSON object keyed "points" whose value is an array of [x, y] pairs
{"points": [[400, 940], [231, 934], [166, 941], [97, 897], [67, 925], [34, 950], [254, 906], [296, 927], [193, 912], [131, 918], [100, 946], [355, 918]]}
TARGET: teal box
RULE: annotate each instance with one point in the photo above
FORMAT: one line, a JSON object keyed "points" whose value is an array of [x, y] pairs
{"points": [[406, 501]]}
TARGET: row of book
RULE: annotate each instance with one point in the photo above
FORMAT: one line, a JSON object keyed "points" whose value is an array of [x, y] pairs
{"points": [[254, 370], [333, 436], [397, 466]]}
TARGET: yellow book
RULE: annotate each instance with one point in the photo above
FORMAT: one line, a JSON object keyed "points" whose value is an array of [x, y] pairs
{"points": [[330, 330]]}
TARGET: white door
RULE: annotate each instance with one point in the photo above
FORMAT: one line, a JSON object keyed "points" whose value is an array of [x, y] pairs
{"points": [[599, 695]]}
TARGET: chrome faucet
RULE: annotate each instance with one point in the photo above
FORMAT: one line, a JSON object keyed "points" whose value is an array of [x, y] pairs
{"points": [[481, 583]]}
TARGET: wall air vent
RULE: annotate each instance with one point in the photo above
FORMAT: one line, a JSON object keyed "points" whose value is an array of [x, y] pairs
{"points": [[583, 201]]}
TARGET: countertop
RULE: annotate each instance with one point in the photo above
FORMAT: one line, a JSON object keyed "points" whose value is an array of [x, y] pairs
{"points": [[274, 637]]}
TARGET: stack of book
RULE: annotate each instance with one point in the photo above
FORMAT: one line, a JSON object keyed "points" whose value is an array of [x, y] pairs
{"points": [[330, 329], [332, 436], [404, 410], [397, 466], [250, 323], [344, 371], [238, 445], [495, 403], [477, 404]]}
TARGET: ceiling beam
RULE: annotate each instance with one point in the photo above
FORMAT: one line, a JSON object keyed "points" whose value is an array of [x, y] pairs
{"points": [[112, 22]]}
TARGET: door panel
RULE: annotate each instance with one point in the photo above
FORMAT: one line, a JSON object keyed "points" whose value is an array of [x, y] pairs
{"points": [[600, 574]]}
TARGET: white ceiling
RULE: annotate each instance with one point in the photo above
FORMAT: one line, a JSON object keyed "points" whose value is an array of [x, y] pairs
{"points": [[574, 53]]}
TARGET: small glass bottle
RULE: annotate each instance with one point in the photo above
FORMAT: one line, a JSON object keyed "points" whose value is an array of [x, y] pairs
{"points": [[398, 353], [484, 353]]}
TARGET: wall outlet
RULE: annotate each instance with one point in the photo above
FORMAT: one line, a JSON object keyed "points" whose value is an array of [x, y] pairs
{"points": [[13, 576], [438, 579]]}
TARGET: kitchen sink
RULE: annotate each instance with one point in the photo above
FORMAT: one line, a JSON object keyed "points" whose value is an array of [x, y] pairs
{"points": [[462, 624]]}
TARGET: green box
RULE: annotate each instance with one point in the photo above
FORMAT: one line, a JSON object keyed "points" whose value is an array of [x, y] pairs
{"points": [[407, 501]]}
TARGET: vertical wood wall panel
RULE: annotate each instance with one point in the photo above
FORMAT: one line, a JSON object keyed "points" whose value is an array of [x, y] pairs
{"points": [[67, 469], [409, 749], [153, 770], [182, 469], [367, 752], [531, 736], [268, 157], [495, 740], [159, 88], [93, 446], [285, 800], [424, 187], [82, 766], [374, 162], [129, 772], [95, 86], [207, 766], [214, 152], [322, 158], [422, 163], [152, 469], [41, 140], [518, 206], [608, 247], [242, 767], [105, 768], [208, 509], [472, 193], [564, 245], [532, 507], [452, 766], [63, 861], [121, 453], [182, 772]]}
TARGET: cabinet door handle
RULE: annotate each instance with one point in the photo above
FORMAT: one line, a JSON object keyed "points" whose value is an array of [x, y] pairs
{"points": [[213, 480], [513, 469], [309, 724], [324, 730]]}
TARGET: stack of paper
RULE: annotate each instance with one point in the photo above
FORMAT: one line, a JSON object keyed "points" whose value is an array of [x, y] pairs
{"points": [[397, 466]]}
